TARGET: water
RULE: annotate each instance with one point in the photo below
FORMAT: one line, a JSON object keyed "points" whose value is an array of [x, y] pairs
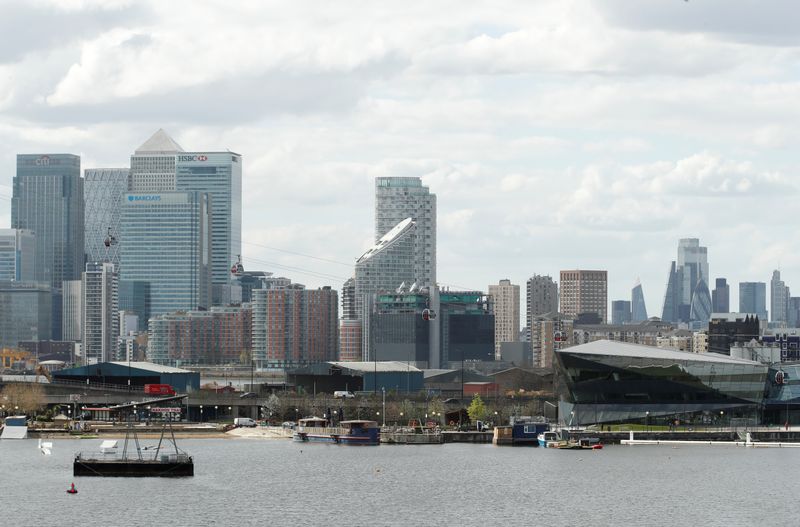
{"points": [[243, 482]]}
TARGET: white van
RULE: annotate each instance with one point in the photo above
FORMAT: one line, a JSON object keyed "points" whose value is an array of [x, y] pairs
{"points": [[343, 395], [244, 422]]}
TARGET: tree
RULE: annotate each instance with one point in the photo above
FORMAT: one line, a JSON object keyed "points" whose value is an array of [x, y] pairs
{"points": [[476, 410], [273, 405], [22, 397]]}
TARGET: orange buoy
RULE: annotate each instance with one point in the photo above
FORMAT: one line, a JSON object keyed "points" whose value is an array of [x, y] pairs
{"points": [[72, 489]]}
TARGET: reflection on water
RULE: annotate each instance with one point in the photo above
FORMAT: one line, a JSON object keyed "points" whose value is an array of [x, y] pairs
{"points": [[252, 482]]}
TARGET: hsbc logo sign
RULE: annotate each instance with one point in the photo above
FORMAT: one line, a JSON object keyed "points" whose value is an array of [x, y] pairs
{"points": [[193, 158]]}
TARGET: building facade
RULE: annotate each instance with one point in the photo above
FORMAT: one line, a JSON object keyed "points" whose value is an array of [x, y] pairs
{"points": [[505, 299], [398, 198], [25, 312], [753, 298], [295, 326], [17, 255], [584, 291], [72, 311], [645, 333], [542, 297], [550, 332], [103, 189], [167, 246], [466, 328], [220, 335], [685, 274], [721, 296], [620, 312], [638, 307], [100, 312], [779, 299], [727, 329]]}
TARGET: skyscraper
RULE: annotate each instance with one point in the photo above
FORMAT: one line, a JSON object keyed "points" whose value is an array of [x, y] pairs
{"points": [[753, 299], [398, 198], [638, 308], [102, 194], [691, 267], [100, 312], [779, 298], [167, 248], [620, 312], [700, 312], [161, 164], [505, 299], [721, 296], [385, 266], [17, 254], [584, 292], [542, 297], [72, 311], [48, 200], [25, 312]]}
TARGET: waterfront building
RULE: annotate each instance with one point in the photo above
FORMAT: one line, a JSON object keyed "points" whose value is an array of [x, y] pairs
{"points": [[72, 311], [384, 267], [100, 312], [219, 335], [606, 381], [329, 377], [48, 200], [779, 299], [505, 300], [584, 292], [753, 299], [725, 329], [398, 329], [466, 323], [161, 165], [721, 296], [542, 297], [167, 246], [645, 333], [350, 340], [620, 312], [25, 312], [398, 198], [103, 189], [17, 255], [638, 307], [685, 274], [294, 326], [550, 332]]}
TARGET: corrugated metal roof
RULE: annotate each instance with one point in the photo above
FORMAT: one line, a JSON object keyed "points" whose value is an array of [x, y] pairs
{"points": [[380, 366], [623, 349], [149, 366]]}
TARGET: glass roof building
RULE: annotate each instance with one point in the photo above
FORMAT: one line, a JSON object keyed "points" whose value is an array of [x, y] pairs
{"points": [[606, 381]]}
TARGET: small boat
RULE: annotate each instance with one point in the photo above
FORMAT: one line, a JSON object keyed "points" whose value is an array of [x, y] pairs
{"points": [[353, 432], [45, 448], [584, 443], [16, 427], [548, 439]]}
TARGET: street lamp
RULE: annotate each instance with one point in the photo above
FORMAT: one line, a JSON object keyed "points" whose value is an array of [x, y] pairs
{"points": [[647, 420], [721, 414], [201, 413]]}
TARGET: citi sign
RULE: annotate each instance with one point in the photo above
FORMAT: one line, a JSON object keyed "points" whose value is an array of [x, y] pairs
{"points": [[193, 158], [144, 198], [43, 161]]}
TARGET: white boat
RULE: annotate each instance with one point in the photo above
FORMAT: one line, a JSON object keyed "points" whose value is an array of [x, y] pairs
{"points": [[16, 427], [46, 448], [108, 446], [548, 439]]}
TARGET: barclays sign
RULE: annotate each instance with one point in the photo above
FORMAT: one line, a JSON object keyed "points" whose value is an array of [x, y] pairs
{"points": [[144, 198]]}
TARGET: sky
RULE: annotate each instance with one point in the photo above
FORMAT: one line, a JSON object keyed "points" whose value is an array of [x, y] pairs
{"points": [[556, 134]]}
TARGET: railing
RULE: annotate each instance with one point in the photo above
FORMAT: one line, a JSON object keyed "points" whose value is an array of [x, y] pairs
{"points": [[97, 385]]}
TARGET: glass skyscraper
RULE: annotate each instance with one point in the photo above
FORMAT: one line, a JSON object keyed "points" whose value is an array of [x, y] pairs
{"points": [[48, 200], [25, 312], [17, 254], [103, 189], [753, 299], [167, 245]]}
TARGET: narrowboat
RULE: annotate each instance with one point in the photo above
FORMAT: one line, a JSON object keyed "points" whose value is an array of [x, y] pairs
{"points": [[519, 433], [353, 432]]}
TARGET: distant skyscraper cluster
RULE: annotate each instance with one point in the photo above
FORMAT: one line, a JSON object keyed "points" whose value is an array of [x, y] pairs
{"points": [[687, 299]]}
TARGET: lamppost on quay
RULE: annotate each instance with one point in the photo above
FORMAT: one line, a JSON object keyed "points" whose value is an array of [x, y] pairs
{"points": [[647, 420]]}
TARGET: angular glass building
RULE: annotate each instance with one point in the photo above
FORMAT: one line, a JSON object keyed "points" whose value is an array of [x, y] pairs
{"points": [[606, 381], [103, 189], [638, 307]]}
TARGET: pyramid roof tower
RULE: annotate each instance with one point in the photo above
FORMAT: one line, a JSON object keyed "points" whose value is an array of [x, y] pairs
{"points": [[160, 142]]}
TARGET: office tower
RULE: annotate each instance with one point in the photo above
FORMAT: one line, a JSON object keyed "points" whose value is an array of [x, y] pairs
{"points": [[638, 308], [542, 297], [398, 198], [691, 267], [584, 292], [25, 312], [753, 299], [248, 281], [293, 326], [220, 335], [384, 267], [161, 165], [103, 189], [465, 326], [17, 254], [72, 311], [349, 300], [505, 299], [721, 296], [398, 330], [100, 312], [779, 298], [550, 332], [793, 312], [620, 312], [134, 298], [48, 200], [167, 247], [700, 312]]}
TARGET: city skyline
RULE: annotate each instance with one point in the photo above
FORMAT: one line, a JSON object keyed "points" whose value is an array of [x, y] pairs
{"points": [[525, 186]]}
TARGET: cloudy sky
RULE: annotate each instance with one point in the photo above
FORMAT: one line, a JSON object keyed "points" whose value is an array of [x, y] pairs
{"points": [[556, 134]]}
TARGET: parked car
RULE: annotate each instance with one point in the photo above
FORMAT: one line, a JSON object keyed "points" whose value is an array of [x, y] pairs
{"points": [[244, 422], [341, 394]]}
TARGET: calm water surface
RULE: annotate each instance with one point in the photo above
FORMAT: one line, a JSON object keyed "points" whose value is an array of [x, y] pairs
{"points": [[271, 482]]}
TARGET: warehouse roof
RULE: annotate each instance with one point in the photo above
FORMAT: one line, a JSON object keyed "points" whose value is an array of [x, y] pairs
{"points": [[623, 349], [380, 366], [150, 366]]}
